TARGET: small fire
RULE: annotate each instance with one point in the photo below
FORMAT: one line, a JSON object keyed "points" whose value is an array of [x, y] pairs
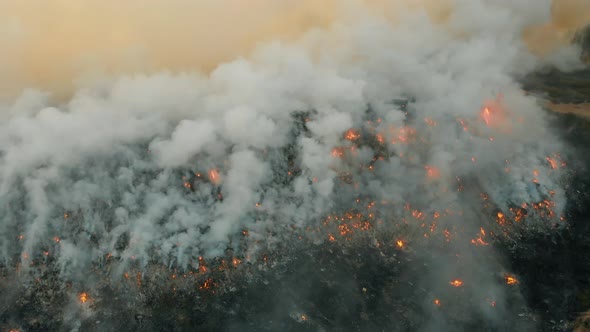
{"points": [[456, 283], [352, 135], [202, 267], [510, 280], [486, 115], [436, 302], [501, 218], [430, 122], [432, 172], [338, 152], [331, 238], [400, 244], [552, 162], [494, 115], [344, 230], [479, 241], [83, 297], [380, 138], [214, 176], [236, 261], [207, 284]]}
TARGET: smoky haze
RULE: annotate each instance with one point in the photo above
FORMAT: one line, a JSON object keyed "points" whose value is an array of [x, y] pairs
{"points": [[155, 133], [60, 45]]}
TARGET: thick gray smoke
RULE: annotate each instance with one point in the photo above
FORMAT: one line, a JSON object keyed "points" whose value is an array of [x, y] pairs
{"points": [[165, 168]]}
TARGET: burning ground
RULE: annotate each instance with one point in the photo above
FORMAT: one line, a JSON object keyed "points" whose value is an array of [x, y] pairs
{"points": [[356, 178]]}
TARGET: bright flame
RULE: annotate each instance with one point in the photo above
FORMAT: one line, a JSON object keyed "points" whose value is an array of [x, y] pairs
{"points": [[352, 135], [510, 280], [456, 283], [83, 297], [479, 241], [214, 176]]}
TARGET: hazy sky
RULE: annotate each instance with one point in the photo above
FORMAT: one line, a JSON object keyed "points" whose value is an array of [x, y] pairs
{"points": [[54, 44]]}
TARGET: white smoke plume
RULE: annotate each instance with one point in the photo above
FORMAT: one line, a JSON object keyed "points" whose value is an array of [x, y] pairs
{"points": [[166, 167]]}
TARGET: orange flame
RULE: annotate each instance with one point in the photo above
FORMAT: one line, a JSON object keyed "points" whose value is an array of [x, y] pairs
{"points": [[207, 284], [510, 280], [236, 261], [456, 283], [400, 244], [214, 176], [352, 135], [83, 297], [436, 302], [432, 172], [202, 267], [486, 115], [501, 218], [479, 241], [552, 162]]}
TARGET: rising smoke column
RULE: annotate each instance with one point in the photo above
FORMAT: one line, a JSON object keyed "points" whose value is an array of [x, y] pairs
{"points": [[167, 168]]}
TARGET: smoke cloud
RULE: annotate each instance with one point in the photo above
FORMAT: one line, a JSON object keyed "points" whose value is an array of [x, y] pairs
{"points": [[224, 118]]}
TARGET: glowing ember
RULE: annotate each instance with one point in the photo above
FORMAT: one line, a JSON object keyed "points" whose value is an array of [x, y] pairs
{"points": [[400, 244], [83, 297], [510, 280], [456, 283], [436, 302], [331, 238]]}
